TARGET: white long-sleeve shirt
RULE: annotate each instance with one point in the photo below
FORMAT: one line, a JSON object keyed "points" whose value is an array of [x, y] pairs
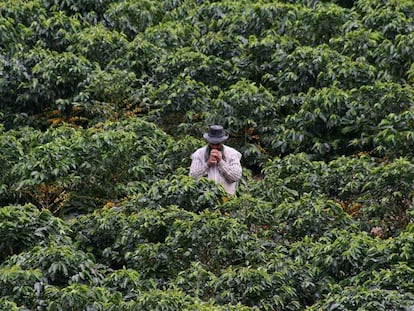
{"points": [[227, 172]]}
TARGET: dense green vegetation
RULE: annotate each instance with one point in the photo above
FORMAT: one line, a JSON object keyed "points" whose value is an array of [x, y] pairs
{"points": [[102, 103]]}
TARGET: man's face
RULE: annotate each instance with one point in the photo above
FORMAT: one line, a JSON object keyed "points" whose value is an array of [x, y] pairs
{"points": [[216, 146]]}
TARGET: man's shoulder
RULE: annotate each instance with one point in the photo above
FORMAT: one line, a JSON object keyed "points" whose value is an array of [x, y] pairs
{"points": [[232, 151], [200, 150]]}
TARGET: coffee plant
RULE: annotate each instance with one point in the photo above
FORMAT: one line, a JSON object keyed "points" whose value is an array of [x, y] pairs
{"points": [[103, 103]]}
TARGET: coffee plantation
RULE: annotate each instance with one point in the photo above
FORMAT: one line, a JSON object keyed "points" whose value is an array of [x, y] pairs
{"points": [[103, 102]]}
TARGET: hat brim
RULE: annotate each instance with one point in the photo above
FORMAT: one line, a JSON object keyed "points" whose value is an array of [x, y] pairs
{"points": [[215, 140]]}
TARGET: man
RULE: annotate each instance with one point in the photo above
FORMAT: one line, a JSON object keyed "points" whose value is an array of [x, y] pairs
{"points": [[217, 161]]}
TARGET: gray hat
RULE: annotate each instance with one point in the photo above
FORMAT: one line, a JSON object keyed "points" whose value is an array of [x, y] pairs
{"points": [[216, 134]]}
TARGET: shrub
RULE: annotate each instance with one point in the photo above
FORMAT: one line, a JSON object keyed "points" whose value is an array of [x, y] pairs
{"points": [[20, 287], [255, 288], [362, 297], [59, 264], [24, 226], [82, 297], [310, 216], [187, 192], [214, 240]]}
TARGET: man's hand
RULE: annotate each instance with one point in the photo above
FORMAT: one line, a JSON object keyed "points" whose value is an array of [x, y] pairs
{"points": [[212, 161], [216, 154]]}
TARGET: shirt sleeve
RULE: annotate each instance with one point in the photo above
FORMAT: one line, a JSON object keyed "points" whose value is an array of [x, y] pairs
{"points": [[198, 167], [231, 168]]}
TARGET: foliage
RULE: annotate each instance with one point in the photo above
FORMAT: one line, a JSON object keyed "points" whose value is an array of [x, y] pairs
{"points": [[29, 283], [99, 164], [59, 264], [6, 304], [24, 226], [365, 298], [103, 102], [184, 191], [82, 297]]}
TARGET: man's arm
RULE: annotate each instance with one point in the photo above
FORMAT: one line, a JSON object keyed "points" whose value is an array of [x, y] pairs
{"points": [[231, 168], [198, 167]]}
